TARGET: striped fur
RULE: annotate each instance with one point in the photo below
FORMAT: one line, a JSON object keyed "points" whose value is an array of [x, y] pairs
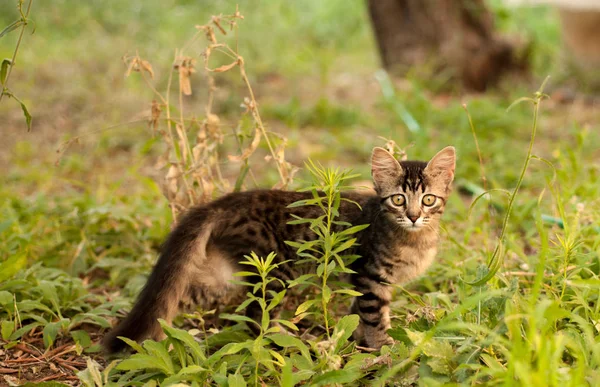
{"points": [[201, 254]]}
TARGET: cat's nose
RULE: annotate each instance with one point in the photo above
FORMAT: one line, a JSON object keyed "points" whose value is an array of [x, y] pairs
{"points": [[413, 218]]}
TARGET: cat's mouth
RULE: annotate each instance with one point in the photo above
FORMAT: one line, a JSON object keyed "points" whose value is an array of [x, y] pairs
{"points": [[409, 225]]}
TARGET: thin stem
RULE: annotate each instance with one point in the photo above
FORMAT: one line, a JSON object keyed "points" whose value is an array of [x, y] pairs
{"points": [[496, 260], [330, 194], [256, 115], [167, 103], [14, 57]]}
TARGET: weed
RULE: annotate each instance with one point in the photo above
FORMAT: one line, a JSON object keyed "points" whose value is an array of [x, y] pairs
{"points": [[7, 64]]}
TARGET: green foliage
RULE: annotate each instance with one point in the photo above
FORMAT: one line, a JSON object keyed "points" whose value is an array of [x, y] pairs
{"points": [[52, 301], [8, 64], [328, 253]]}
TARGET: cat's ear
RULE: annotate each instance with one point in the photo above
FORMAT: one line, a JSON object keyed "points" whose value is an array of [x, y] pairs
{"points": [[385, 169], [442, 165]]}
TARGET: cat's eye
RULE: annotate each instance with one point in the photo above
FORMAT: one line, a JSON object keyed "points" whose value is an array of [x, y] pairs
{"points": [[428, 200], [397, 200]]}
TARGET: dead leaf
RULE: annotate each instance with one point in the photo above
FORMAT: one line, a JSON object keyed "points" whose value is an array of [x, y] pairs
{"points": [[171, 180], [155, 111], [144, 64], [185, 67], [224, 68], [248, 151]]}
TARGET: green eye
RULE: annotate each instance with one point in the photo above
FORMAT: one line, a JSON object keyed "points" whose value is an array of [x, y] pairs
{"points": [[397, 200], [428, 200]]}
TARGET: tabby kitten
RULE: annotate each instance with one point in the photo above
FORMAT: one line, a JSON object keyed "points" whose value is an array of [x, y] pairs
{"points": [[202, 253]]}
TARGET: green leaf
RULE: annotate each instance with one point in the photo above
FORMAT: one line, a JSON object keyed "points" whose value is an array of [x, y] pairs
{"points": [[51, 331], [344, 246], [48, 290], [439, 365], [11, 27], [276, 300], [230, 349], [184, 337], [276, 355], [193, 369], [159, 351], [303, 307], [320, 269], [438, 348], [249, 299], [235, 334], [492, 362], [4, 70], [12, 265], [91, 376], [82, 338], [6, 298], [245, 274], [350, 292], [287, 341], [337, 377], [7, 328], [133, 344], [346, 326], [237, 317], [29, 305], [301, 280], [236, 380], [287, 377], [326, 293], [21, 331], [25, 113], [287, 323], [140, 361], [354, 229]]}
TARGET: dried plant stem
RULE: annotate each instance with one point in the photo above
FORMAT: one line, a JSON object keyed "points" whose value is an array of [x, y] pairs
{"points": [[168, 107], [259, 122], [195, 164]]}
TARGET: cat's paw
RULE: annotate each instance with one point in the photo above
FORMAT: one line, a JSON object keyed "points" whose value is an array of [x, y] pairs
{"points": [[375, 342]]}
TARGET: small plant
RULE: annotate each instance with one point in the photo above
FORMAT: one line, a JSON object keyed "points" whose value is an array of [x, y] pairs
{"points": [[8, 64], [496, 259], [329, 251], [189, 361]]}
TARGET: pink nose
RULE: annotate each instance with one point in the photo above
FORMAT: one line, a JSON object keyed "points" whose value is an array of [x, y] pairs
{"points": [[413, 218]]}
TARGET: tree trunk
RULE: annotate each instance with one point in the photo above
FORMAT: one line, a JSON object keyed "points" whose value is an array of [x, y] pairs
{"points": [[453, 36], [581, 36]]}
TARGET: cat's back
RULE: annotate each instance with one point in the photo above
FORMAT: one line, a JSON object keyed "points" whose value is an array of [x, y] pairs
{"points": [[265, 203]]}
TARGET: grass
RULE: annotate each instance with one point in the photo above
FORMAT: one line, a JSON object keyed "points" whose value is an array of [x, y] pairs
{"points": [[77, 239]]}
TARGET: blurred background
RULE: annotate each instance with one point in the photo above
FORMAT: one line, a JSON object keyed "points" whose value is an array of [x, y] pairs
{"points": [[313, 66]]}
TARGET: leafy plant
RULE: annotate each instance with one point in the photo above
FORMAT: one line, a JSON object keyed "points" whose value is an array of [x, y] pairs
{"points": [[329, 251], [7, 64]]}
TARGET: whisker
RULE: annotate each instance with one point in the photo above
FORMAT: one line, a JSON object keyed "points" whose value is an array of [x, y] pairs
{"points": [[433, 228]]}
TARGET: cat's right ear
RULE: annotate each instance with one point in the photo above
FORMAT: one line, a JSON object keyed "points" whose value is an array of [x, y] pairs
{"points": [[385, 169]]}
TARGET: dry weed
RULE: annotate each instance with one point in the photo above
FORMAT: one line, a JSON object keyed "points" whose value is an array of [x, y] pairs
{"points": [[195, 157]]}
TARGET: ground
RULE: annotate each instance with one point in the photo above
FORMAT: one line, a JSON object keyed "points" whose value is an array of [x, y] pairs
{"points": [[81, 225]]}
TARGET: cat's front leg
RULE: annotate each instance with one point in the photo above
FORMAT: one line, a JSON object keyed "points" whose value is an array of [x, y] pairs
{"points": [[374, 312]]}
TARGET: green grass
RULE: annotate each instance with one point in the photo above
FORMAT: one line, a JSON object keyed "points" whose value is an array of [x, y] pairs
{"points": [[78, 239]]}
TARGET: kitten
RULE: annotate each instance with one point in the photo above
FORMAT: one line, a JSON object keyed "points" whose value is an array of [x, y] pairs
{"points": [[202, 253]]}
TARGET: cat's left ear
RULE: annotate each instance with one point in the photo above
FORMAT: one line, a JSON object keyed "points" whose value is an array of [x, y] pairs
{"points": [[442, 165]]}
